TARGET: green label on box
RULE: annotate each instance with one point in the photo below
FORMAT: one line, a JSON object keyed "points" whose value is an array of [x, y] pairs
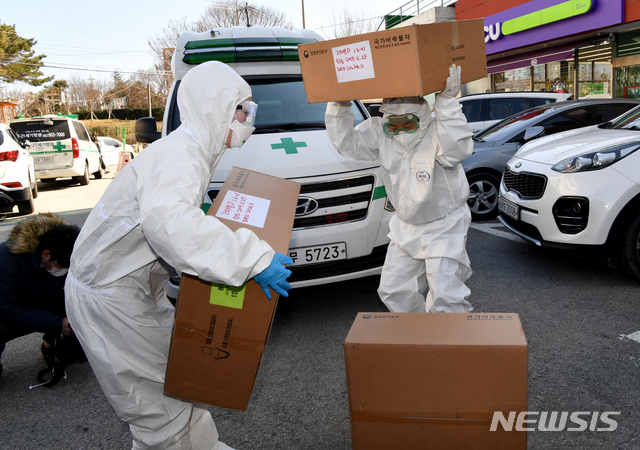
{"points": [[229, 296]]}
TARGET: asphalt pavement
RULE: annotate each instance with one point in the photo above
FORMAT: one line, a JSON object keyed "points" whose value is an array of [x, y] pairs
{"points": [[579, 317]]}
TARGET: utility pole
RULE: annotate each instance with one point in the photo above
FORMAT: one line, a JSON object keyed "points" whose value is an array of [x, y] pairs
{"points": [[149, 87]]}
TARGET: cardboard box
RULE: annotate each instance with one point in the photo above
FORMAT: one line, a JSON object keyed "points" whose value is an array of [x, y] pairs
{"points": [[221, 332], [434, 381], [400, 62]]}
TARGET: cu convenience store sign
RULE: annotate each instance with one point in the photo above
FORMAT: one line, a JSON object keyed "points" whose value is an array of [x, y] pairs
{"points": [[544, 20]]}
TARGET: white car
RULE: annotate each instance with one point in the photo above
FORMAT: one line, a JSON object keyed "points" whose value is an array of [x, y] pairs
{"points": [[579, 189], [18, 184], [111, 148], [61, 147], [342, 220], [484, 110]]}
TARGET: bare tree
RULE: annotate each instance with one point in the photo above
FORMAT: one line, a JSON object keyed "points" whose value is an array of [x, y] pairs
{"points": [[228, 13], [350, 23], [145, 84]]}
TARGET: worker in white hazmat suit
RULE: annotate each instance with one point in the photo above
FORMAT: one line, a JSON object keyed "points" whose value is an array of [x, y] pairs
{"points": [[426, 183], [149, 219]]}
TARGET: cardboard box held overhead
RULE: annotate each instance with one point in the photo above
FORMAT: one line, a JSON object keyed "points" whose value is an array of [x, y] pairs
{"points": [[221, 331], [434, 381], [400, 62]]}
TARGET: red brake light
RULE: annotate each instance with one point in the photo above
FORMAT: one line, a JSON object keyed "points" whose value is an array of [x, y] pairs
{"points": [[10, 156], [12, 185], [74, 146]]}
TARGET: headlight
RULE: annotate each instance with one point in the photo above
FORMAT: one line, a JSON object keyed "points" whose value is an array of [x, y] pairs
{"points": [[595, 160]]}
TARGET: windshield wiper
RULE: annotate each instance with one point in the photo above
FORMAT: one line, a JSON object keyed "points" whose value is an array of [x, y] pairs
{"points": [[477, 139]]}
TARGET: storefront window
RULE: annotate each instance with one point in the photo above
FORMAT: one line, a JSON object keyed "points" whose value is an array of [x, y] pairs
{"points": [[627, 82], [540, 77], [513, 80], [559, 77], [595, 80]]}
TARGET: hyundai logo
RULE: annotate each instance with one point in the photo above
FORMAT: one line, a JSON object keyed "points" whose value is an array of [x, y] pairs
{"points": [[306, 206], [518, 165]]}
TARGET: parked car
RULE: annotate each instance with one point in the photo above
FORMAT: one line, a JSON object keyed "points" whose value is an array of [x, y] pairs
{"points": [[494, 146], [111, 149], [484, 110], [343, 204], [18, 185], [579, 190], [61, 147]]}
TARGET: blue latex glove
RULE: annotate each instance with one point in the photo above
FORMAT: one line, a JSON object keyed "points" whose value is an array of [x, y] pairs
{"points": [[275, 276]]}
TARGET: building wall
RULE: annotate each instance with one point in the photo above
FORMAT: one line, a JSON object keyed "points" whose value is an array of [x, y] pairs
{"points": [[631, 10], [475, 9]]}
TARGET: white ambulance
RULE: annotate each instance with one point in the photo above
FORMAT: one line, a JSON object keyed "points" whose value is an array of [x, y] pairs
{"points": [[61, 147], [342, 219]]}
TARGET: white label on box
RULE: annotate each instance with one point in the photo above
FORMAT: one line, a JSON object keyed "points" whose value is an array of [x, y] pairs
{"points": [[353, 62], [244, 208]]}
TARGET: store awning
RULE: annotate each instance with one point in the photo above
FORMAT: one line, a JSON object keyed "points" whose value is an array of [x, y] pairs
{"points": [[530, 59]]}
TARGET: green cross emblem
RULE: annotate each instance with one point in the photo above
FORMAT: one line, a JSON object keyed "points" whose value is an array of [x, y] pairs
{"points": [[58, 146], [288, 145]]}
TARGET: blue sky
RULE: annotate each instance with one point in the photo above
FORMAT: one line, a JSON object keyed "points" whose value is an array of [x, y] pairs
{"points": [[98, 38]]}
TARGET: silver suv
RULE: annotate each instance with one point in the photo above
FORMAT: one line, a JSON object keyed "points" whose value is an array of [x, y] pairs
{"points": [[484, 110]]}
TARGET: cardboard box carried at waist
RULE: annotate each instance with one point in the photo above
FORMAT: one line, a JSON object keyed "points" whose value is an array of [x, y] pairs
{"points": [[400, 62], [435, 380], [221, 332]]}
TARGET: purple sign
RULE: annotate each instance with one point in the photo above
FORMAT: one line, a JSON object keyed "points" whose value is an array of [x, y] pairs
{"points": [[604, 13]]}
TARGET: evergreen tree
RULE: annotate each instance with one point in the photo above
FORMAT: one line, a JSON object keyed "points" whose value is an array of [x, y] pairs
{"points": [[17, 61]]}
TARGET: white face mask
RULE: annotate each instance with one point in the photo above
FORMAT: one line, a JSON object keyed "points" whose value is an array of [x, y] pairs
{"points": [[57, 272], [241, 133]]}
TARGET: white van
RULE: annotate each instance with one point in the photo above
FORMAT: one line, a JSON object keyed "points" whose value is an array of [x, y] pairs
{"points": [[342, 220], [61, 147]]}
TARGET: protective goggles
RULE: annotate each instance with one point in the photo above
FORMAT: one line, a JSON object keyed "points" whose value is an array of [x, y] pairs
{"points": [[406, 123], [246, 112]]}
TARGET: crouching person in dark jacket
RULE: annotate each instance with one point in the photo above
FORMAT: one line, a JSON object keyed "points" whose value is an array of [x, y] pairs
{"points": [[33, 267]]}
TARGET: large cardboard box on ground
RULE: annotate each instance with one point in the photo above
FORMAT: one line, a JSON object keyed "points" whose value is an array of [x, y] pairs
{"points": [[400, 62], [434, 381], [221, 332]]}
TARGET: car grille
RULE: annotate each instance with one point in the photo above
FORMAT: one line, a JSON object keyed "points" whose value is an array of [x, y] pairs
{"points": [[331, 202], [528, 186]]}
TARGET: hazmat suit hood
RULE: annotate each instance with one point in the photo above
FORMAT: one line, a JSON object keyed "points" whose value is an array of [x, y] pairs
{"points": [[407, 105], [207, 99]]}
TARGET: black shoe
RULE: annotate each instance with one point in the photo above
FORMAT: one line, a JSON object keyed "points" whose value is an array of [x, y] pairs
{"points": [[47, 351]]}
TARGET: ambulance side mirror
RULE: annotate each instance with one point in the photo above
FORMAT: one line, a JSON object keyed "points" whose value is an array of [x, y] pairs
{"points": [[146, 130]]}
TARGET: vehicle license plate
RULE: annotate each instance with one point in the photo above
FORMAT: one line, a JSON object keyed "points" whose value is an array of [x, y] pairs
{"points": [[44, 160], [318, 254], [510, 209]]}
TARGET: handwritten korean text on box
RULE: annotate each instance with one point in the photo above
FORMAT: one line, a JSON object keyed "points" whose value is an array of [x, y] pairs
{"points": [[353, 62]]}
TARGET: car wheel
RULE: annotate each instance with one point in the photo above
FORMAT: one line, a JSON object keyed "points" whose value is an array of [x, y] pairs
{"points": [[627, 256], [26, 206], [483, 195], [84, 179]]}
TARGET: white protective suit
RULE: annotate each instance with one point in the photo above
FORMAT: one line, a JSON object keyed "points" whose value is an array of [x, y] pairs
{"points": [[148, 219], [429, 190]]}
